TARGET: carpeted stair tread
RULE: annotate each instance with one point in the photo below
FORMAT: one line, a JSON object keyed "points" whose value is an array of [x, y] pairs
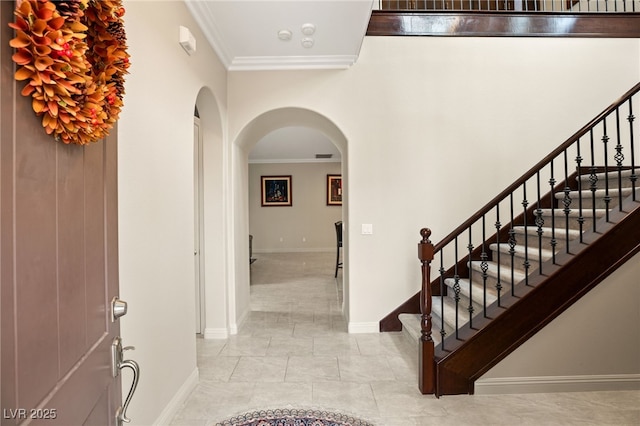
{"points": [[612, 177], [450, 312], [573, 213], [476, 292], [520, 250], [615, 194], [546, 231], [505, 273], [412, 329]]}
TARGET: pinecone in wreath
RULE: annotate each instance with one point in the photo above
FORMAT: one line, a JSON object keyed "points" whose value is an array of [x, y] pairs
{"points": [[70, 9]]}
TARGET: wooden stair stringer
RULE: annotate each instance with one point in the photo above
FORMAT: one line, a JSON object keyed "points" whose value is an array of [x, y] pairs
{"points": [[476, 351]]}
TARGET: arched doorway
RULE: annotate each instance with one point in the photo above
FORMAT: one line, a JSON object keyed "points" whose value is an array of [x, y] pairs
{"points": [[211, 236], [241, 146]]}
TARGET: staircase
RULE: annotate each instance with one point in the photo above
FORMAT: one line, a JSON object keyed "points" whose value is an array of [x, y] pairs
{"points": [[527, 255], [470, 292]]}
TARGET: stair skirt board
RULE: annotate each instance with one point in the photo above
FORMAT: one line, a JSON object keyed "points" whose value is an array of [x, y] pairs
{"points": [[550, 384]]}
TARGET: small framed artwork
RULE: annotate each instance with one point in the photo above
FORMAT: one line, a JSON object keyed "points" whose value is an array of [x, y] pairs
{"points": [[334, 190], [276, 190]]}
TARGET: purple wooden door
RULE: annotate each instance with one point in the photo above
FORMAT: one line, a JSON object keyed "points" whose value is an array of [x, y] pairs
{"points": [[58, 267]]}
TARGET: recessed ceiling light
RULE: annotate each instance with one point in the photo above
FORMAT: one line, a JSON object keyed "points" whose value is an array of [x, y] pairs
{"points": [[308, 29], [307, 42], [284, 35]]}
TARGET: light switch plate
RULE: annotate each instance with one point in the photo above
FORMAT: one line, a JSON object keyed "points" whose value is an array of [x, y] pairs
{"points": [[367, 229]]}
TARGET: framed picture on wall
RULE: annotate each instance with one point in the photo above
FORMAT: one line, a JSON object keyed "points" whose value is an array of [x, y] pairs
{"points": [[276, 190], [334, 190]]}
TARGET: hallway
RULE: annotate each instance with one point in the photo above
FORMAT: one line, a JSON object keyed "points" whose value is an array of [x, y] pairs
{"points": [[293, 351]]}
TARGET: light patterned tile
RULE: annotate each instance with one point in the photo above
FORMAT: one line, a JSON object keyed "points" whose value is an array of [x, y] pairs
{"points": [[296, 333], [301, 346], [335, 345], [348, 397], [260, 369], [217, 369], [281, 395], [246, 346], [364, 369], [312, 368]]}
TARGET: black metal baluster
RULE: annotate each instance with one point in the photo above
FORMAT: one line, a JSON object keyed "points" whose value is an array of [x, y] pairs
{"points": [[633, 176], [619, 157], [498, 225], [470, 308], [456, 284], [443, 333], [605, 142], [566, 201], [552, 184], [580, 213], [484, 266], [593, 180], [525, 204], [512, 244], [539, 221]]}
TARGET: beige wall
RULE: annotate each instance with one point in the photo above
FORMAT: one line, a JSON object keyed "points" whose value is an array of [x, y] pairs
{"points": [[308, 225], [156, 214]]}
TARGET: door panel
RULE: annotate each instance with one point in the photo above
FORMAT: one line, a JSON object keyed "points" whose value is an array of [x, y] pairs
{"points": [[58, 266]]}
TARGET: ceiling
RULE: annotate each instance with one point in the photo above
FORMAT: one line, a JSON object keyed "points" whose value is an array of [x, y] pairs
{"points": [[246, 34], [285, 35], [294, 145]]}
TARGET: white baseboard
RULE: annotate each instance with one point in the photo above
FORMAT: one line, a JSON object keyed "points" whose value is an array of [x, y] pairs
{"points": [[178, 399], [364, 327], [550, 384], [215, 333], [296, 250]]}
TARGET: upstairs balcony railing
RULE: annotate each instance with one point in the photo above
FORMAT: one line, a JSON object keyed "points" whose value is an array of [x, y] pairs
{"points": [[506, 18], [556, 6]]}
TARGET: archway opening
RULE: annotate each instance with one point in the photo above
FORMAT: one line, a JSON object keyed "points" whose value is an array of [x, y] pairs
{"points": [[210, 232], [247, 139]]}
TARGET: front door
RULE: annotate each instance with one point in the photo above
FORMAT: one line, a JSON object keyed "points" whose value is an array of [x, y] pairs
{"points": [[58, 266]]}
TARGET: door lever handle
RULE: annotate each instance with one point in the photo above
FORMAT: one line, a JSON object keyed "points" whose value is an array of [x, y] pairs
{"points": [[118, 363], [121, 414]]}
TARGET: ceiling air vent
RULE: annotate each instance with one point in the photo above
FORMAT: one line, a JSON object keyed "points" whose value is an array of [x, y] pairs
{"points": [[324, 155]]}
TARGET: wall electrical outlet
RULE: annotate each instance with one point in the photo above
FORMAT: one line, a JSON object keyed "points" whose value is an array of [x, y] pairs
{"points": [[367, 229]]}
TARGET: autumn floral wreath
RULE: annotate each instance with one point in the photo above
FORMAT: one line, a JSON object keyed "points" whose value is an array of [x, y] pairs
{"points": [[72, 54]]}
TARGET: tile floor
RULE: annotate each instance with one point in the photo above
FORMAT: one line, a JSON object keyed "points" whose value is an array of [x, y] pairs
{"points": [[293, 351]]}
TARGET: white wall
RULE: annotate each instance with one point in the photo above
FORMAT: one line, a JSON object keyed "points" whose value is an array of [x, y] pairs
{"points": [[156, 220], [435, 127]]}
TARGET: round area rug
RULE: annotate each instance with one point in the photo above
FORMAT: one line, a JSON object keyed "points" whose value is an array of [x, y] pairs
{"points": [[291, 417]]}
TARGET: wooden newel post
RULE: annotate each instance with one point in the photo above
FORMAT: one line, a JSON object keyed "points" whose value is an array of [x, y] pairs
{"points": [[426, 374]]}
